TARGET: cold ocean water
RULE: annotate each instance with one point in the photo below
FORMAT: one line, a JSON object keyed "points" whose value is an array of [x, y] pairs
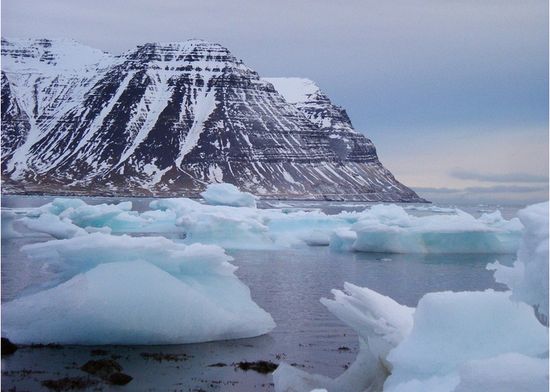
{"points": [[287, 283]]}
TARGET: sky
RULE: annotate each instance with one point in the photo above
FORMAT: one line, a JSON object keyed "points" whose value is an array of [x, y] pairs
{"points": [[453, 93]]}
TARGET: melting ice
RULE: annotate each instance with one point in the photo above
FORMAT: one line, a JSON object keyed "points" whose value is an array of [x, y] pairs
{"points": [[452, 341]]}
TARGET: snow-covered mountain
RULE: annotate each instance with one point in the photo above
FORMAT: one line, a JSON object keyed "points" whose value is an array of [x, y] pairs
{"points": [[169, 118]]}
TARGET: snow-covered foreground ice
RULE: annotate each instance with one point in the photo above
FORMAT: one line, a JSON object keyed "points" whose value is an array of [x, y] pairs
{"points": [[133, 290], [452, 341], [380, 228], [528, 278]]}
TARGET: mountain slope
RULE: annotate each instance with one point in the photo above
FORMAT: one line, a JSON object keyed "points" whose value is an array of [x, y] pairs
{"points": [[169, 118]]}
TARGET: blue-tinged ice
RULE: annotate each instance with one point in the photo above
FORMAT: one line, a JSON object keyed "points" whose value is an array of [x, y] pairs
{"points": [[380, 228], [53, 225], [134, 290], [228, 195], [452, 341], [451, 330], [390, 229], [528, 278]]}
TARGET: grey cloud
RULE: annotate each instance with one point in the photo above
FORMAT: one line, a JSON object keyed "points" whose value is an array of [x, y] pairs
{"points": [[498, 177], [480, 189], [422, 190], [388, 62]]}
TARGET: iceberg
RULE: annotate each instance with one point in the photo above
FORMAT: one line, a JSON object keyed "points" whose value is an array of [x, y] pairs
{"points": [[435, 347], [8, 219], [57, 218], [229, 227], [504, 373], [128, 290], [452, 341], [228, 195], [390, 229], [381, 324], [528, 277], [53, 225], [342, 240], [451, 330], [380, 228]]}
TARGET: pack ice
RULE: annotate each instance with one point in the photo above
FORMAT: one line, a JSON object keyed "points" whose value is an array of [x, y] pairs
{"points": [[229, 218], [452, 341], [390, 229], [133, 290]]}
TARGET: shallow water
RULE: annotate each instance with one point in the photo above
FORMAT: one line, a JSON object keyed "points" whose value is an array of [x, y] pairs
{"points": [[286, 283]]}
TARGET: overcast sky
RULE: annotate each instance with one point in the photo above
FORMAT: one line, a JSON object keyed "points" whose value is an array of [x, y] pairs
{"points": [[454, 93]]}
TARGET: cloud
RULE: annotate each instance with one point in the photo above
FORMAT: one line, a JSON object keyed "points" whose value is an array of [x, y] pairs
{"points": [[500, 194], [437, 190], [506, 189], [497, 177], [484, 189]]}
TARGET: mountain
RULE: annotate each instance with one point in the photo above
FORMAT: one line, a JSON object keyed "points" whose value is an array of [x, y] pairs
{"points": [[169, 118]]}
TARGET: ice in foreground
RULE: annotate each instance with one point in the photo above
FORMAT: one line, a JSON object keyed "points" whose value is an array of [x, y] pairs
{"points": [[127, 290], [528, 278], [465, 341]]}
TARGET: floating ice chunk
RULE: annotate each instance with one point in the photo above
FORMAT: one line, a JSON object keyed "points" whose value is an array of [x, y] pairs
{"points": [[504, 373], [8, 219], [136, 303], [342, 240], [230, 227], [310, 227], [79, 254], [379, 320], [228, 195], [468, 341], [289, 379], [389, 229], [57, 206], [228, 230], [381, 324], [103, 229], [435, 209], [250, 228], [317, 237], [110, 289], [437, 347], [451, 329], [119, 217], [528, 278], [53, 225]]}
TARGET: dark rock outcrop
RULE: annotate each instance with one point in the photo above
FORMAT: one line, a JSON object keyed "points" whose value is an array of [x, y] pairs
{"points": [[167, 119]]}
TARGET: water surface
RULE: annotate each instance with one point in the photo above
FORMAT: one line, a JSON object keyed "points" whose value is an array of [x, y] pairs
{"points": [[286, 283]]}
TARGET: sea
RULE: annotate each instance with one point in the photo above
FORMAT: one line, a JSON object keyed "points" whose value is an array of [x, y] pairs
{"points": [[286, 283]]}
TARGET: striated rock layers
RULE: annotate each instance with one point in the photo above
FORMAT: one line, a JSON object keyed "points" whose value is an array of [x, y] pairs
{"points": [[168, 119]]}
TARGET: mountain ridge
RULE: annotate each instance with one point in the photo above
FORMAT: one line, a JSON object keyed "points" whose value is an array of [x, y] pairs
{"points": [[166, 119]]}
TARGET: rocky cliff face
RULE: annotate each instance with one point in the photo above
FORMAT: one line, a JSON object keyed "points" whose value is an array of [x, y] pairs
{"points": [[167, 119]]}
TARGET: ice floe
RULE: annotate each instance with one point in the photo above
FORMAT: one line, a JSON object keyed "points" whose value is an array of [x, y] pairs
{"points": [[379, 228], [452, 329], [528, 277], [390, 229], [228, 195], [133, 290], [452, 341]]}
